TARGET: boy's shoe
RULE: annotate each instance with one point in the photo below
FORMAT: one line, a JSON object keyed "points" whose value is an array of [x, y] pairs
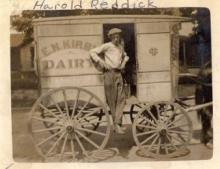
{"points": [[118, 129]]}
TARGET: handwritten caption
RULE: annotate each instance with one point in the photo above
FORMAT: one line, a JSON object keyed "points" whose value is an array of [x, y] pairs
{"points": [[92, 4]]}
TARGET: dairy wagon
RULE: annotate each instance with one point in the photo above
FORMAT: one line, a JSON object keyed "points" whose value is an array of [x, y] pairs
{"points": [[71, 119]]}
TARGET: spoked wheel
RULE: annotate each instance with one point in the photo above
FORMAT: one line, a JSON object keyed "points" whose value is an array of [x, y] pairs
{"points": [[68, 124], [166, 130], [55, 110], [135, 108]]}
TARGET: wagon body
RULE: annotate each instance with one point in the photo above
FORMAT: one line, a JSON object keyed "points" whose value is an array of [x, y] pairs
{"points": [[63, 44], [70, 111]]}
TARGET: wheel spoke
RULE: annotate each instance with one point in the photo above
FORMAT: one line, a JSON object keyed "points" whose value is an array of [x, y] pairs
{"points": [[153, 135], [141, 122], [144, 126], [50, 112], [58, 108], [75, 104], [87, 139], [149, 147], [176, 120], [63, 147], [147, 132], [84, 106], [166, 149], [88, 120], [89, 114], [46, 120], [181, 125], [164, 111], [174, 114], [85, 119], [176, 138], [158, 112], [171, 142], [158, 147], [72, 149], [54, 145], [139, 105], [184, 132], [92, 131], [151, 115], [50, 137], [65, 103], [147, 120], [48, 129], [85, 122], [81, 145]]}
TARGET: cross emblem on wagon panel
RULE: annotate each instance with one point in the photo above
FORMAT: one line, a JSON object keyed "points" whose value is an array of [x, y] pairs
{"points": [[153, 51]]}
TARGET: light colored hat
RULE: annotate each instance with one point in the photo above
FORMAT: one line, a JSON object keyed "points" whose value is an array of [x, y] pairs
{"points": [[114, 31]]}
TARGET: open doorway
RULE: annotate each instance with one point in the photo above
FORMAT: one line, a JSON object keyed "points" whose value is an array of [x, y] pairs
{"points": [[128, 36]]}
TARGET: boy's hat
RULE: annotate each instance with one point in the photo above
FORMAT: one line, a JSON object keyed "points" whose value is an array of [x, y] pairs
{"points": [[114, 31]]}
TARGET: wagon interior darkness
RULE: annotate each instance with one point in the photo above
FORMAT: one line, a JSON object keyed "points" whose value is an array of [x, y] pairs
{"points": [[128, 35]]}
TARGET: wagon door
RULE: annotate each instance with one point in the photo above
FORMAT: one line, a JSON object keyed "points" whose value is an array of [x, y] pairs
{"points": [[153, 55]]}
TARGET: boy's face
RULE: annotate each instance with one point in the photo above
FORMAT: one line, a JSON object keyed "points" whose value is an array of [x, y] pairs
{"points": [[116, 39]]}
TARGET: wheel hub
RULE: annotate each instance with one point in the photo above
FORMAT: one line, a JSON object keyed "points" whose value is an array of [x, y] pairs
{"points": [[163, 132], [162, 129], [69, 129]]}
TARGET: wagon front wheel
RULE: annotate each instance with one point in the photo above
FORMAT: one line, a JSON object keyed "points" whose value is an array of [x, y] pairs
{"points": [[67, 123], [166, 130]]}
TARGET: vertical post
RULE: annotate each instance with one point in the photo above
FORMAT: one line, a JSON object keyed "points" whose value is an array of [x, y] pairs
{"points": [[175, 57], [184, 54]]}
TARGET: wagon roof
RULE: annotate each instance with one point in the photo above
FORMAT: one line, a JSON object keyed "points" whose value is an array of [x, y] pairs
{"points": [[93, 18]]}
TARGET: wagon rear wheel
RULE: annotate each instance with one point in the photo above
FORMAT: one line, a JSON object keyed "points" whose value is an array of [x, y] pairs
{"points": [[67, 123], [166, 130]]}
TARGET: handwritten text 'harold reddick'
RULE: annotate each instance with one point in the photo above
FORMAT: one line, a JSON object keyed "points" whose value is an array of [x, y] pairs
{"points": [[92, 4]]}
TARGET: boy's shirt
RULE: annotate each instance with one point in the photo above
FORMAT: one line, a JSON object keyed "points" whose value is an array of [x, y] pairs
{"points": [[113, 55]]}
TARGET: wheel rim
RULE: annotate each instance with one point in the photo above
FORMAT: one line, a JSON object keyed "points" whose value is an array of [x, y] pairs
{"points": [[71, 126], [167, 130]]}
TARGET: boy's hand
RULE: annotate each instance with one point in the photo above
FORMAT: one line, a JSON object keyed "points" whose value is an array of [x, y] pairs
{"points": [[104, 65]]}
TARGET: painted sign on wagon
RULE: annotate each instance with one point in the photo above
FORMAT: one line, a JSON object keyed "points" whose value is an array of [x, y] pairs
{"points": [[66, 56]]}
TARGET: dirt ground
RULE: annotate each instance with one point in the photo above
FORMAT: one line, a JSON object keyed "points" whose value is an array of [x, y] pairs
{"points": [[119, 147]]}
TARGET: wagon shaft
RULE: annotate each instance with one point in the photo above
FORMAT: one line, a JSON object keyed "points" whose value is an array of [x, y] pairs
{"points": [[200, 106]]}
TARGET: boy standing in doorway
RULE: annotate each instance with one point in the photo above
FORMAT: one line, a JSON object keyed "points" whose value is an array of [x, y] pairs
{"points": [[112, 64]]}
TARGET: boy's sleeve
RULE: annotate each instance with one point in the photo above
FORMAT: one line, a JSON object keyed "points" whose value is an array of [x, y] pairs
{"points": [[95, 52]]}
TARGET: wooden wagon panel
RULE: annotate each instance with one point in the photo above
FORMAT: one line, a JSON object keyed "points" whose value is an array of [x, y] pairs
{"points": [[80, 81], [67, 55], [153, 57], [64, 60], [69, 30], [151, 92], [152, 28], [152, 77], [153, 52]]}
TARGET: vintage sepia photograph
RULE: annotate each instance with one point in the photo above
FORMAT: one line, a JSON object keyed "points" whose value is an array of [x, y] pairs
{"points": [[111, 85]]}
